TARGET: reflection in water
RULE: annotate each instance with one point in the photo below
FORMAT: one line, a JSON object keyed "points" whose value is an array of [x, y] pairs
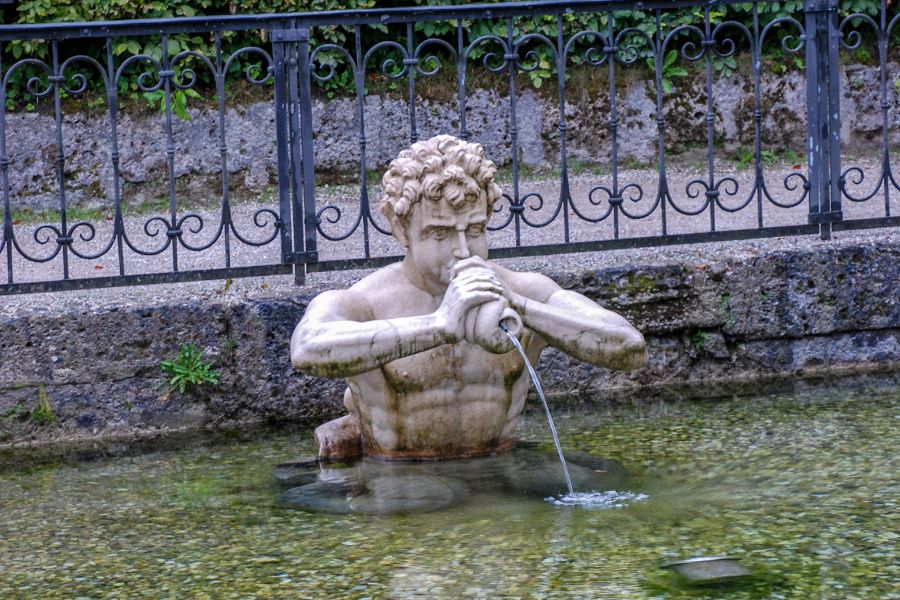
{"points": [[373, 487]]}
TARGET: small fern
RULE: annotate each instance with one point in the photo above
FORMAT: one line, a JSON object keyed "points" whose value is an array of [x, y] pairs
{"points": [[189, 369]]}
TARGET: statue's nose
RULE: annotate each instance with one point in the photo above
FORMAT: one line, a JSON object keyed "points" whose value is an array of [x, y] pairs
{"points": [[461, 249]]}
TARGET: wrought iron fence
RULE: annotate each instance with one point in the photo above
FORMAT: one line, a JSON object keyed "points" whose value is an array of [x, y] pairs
{"points": [[612, 207]]}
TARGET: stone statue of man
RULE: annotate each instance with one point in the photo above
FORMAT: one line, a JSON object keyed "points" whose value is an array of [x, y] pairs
{"points": [[429, 373]]}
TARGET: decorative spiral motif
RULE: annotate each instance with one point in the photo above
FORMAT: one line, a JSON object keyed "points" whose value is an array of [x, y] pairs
{"points": [[688, 50], [80, 78], [498, 208], [628, 54], [389, 68], [261, 220], [144, 79], [853, 38], [532, 60], [34, 83], [634, 194], [489, 56], [42, 240], [786, 41], [856, 177], [536, 206], [431, 59], [88, 236], [248, 72], [593, 55], [314, 61], [333, 215]]}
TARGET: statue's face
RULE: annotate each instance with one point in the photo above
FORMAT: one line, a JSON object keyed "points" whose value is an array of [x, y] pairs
{"points": [[438, 236]]}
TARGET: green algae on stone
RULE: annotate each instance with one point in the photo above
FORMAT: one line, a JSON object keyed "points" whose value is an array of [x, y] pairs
{"points": [[803, 490]]}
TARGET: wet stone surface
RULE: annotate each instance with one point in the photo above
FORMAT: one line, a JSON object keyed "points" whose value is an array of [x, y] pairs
{"points": [[802, 490]]}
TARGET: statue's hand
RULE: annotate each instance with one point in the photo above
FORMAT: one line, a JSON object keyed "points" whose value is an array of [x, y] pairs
{"points": [[473, 283], [483, 323]]}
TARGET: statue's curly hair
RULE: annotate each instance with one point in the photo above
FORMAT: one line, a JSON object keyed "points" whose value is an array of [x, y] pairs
{"points": [[422, 170]]}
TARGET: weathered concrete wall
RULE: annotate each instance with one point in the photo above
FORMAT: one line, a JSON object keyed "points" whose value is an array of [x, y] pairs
{"points": [[250, 134], [717, 328]]}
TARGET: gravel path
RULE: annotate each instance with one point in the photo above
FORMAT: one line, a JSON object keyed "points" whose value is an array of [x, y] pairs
{"points": [[345, 198]]}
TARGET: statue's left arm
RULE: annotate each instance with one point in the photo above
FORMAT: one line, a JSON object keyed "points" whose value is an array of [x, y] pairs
{"points": [[575, 324]]}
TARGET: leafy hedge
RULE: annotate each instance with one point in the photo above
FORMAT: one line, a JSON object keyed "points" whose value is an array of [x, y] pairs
{"points": [[46, 11]]}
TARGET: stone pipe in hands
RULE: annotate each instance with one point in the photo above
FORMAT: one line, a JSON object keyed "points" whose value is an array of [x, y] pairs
{"points": [[482, 323]]}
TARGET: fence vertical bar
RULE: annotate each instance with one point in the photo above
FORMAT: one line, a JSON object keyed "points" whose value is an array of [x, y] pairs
{"points": [[564, 193], [167, 75], [308, 156], [512, 61], [461, 81], [712, 193], [363, 168], [756, 52], [56, 80], [219, 78], [112, 97], [885, 107], [833, 35], [4, 180], [610, 50], [658, 58], [410, 62]]}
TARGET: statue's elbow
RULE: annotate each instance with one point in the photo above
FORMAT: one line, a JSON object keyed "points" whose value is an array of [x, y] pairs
{"points": [[304, 355], [302, 360], [634, 352]]}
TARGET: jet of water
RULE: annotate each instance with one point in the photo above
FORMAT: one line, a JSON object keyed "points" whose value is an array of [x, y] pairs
{"points": [[537, 387]]}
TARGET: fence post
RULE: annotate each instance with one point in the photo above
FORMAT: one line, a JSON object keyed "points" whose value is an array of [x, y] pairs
{"points": [[282, 139], [289, 40], [823, 113]]}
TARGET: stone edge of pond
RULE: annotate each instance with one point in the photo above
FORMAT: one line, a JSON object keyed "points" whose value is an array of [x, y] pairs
{"points": [[72, 450], [714, 328]]}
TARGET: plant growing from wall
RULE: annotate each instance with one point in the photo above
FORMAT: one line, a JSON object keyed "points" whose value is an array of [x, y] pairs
{"points": [[188, 370], [670, 70], [43, 413], [699, 339]]}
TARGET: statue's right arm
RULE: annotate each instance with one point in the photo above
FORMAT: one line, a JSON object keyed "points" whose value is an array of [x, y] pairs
{"points": [[338, 338]]}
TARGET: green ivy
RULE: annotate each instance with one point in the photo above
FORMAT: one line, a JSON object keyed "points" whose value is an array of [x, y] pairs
{"points": [[542, 60]]}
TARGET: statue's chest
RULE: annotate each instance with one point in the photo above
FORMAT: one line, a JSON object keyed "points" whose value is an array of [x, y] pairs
{"points": [[453, 366]]}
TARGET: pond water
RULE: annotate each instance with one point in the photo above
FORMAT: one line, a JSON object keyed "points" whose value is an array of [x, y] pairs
{"points": [[802, 489]]}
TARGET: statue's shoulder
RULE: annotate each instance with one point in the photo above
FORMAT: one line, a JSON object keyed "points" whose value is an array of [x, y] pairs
{"points": [[527, 283], [390, 294], [383, 283], [358, 302]]}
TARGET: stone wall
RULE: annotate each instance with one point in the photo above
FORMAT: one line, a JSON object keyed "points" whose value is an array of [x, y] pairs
{"points": [[250, 134], [712, 328]]}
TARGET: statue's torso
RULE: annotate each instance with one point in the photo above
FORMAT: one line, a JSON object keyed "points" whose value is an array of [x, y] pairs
{"points": [[449, 401], [453, 400]]}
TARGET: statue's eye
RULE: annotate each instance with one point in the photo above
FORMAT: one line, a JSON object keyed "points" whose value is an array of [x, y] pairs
{"points": [[475, 230], [439, 234]]}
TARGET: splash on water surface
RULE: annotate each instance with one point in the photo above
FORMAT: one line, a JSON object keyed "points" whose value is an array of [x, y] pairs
{"points": [[607, 499]]}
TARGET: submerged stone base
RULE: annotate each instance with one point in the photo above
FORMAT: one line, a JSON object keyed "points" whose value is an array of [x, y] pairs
{"points": [[731, 327]]}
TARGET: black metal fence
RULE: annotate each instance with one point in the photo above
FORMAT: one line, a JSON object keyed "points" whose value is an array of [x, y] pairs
{"points": [[608, 208]]}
